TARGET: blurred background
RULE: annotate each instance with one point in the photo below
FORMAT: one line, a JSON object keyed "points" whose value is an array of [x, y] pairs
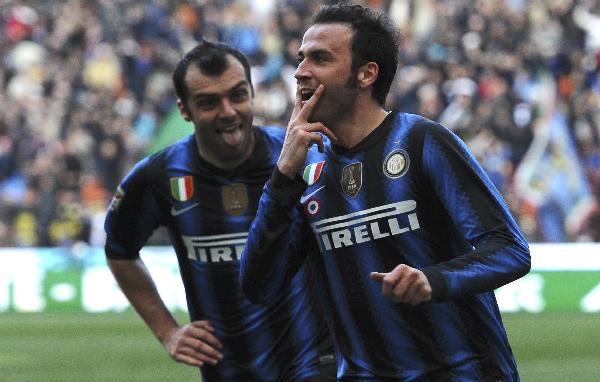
{"points": [[85, 92]]}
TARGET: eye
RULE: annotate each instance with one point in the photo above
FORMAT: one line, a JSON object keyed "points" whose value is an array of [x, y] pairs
{"points": [[206, 103], [239, 95]]}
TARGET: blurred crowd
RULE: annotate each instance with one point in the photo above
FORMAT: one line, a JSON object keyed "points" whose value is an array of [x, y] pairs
{"points": [[85, 87]]}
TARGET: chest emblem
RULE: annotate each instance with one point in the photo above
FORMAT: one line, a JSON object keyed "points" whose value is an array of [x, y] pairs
{"points": [[235, 198], [182, 188], [352, 179], [396, 164], [312, 172]]}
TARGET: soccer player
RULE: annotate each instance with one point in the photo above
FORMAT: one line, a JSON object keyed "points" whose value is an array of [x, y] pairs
{"points": [[413, 236], [205, 189]]}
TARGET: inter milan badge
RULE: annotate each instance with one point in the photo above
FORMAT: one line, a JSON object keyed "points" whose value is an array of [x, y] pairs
{"points": [[352, 179], [182, 188], [396, 164], [235, 198]]}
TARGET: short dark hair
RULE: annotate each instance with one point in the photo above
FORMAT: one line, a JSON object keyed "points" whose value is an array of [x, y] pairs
{"points": [[211, 59], [375, 39]]}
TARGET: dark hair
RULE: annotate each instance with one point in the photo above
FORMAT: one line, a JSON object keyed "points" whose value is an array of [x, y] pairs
{"points": [[211, 59], [375, 39]]}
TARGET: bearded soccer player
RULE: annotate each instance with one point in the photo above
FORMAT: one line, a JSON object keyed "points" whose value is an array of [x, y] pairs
{"points": [[205, 189], [413, 236]]}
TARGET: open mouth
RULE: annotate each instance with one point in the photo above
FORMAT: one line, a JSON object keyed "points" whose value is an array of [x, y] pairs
{"points": [[305, 94], [231, 134]]}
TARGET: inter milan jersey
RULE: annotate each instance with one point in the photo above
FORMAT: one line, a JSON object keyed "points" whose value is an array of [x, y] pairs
{"points": [[409, 193], [207, 212]]}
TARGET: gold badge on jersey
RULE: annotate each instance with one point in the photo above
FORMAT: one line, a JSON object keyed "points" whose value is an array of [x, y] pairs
{"points": [[352, 179], [235, 198]]}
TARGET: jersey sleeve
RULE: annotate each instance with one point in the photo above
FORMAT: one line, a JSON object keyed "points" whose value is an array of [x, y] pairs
{"points": [[132, 215], [499, 252], [278, 240]]}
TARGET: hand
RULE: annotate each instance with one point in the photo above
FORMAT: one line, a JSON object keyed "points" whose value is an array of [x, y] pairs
{"points": [[404, 284], [194, 344], [301, 134]]}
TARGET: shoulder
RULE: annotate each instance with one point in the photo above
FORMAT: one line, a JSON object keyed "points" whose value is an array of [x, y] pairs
{"points": [[152, 166], [271, 133]]}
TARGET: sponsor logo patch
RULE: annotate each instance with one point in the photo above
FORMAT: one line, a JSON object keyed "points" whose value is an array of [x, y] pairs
{"points": [[367, 225], [312, 172], [215, 248], [352, 179], [235, 199], [117, 199], [396, 164], [182, 188], [177, 212]]}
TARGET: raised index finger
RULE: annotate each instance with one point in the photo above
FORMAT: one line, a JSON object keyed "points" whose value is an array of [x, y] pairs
{"points": [[308, 107]]}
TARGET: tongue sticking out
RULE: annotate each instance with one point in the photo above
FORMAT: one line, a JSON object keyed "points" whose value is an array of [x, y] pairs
{"points": [[232, 138]]}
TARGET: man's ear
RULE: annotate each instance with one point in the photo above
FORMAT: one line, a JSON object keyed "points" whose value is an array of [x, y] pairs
{"points": [[183, 111], [367, 74]]}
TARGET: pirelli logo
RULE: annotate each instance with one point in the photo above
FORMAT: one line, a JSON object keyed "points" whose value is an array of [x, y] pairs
{"points": [[215, 248], [363, 226]]}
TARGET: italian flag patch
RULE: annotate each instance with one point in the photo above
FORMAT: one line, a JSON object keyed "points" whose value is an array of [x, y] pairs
{"points": [[312, 172], [182, 188]]}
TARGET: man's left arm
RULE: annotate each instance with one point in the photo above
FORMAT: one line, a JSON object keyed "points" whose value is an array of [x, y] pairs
{"points": [[499, 254]]}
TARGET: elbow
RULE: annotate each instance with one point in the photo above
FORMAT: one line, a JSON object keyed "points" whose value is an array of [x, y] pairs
{"points": [[523, 256]]}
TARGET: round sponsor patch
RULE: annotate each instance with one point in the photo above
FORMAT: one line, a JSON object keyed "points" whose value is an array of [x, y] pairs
{"points": [[313, 206], [396, 164]]}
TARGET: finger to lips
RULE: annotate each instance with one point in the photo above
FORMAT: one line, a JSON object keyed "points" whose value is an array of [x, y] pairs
{"points": [[309, 105]]}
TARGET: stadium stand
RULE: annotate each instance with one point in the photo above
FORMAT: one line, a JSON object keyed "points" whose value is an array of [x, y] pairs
{"points": [[85, 89]]}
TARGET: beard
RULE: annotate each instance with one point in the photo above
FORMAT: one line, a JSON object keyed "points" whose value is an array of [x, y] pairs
{"points": [[337, 102]]}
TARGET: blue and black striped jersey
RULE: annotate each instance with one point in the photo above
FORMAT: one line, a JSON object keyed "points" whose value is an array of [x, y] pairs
{"points": [[410, 193], [207, 212]]}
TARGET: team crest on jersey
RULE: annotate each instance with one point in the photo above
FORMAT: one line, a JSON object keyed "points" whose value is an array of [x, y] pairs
{"points": [[396, 164], [182, 188], [117, 199], [352, 179], [312, 172], [235, 198]]}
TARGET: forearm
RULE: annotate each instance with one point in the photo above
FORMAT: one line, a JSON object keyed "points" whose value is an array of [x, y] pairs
{"points": [[495, 262], [273, 250], [136, 283]]}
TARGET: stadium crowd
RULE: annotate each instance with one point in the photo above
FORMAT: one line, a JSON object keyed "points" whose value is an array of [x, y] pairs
{"points": [[86, 86]]}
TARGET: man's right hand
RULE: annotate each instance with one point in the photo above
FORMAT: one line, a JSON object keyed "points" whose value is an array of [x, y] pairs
{"points": [[301, 134], [194, 344]]}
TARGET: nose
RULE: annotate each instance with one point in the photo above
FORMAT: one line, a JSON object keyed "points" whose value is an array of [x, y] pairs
{"points": [[227, 109], [302, 72]]}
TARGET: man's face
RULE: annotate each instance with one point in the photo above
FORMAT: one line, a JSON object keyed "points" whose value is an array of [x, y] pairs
{"points": [[325, 57], [221, 108]]}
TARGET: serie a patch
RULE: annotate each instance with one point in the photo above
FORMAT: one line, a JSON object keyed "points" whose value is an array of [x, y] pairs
{"points": [[182, 188], [396, 164], [312, 172]]}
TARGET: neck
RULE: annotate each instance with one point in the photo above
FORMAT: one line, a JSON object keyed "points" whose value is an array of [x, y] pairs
{"points": [[358, 124]]}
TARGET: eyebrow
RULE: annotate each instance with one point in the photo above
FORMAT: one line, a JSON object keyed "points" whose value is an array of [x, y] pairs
{"points": [[235, 87]]}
